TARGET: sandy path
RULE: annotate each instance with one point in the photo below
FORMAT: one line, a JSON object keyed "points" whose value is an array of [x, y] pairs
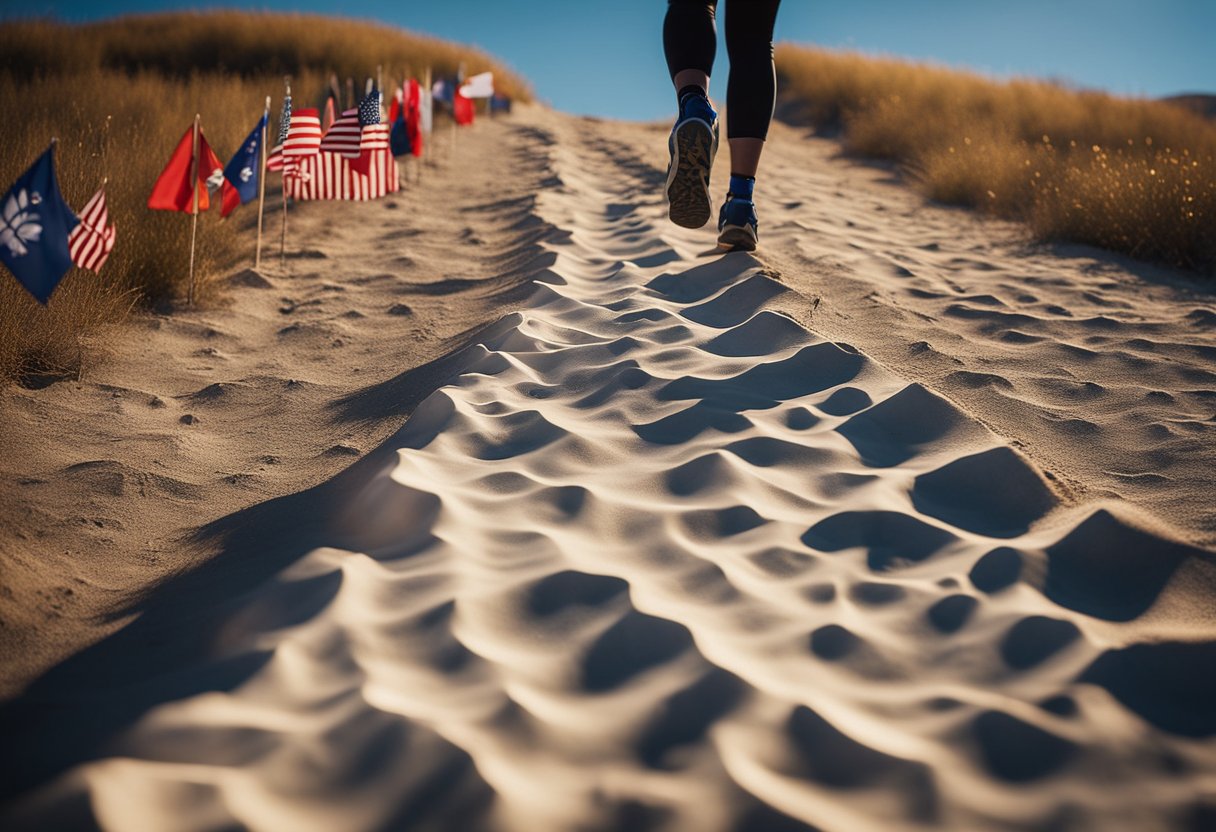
{"points": [[1101, 368], [659, 557]]}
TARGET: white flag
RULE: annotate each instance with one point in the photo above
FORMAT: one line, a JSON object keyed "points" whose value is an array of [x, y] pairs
{"points": [[479, 86], [426, 108]]}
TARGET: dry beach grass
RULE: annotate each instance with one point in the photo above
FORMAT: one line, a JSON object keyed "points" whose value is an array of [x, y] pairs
{"points": [[1130, 175], [149, 75]]}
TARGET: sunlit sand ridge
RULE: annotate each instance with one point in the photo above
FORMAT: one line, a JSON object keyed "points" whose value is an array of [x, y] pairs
{"points": [[659, 556]]}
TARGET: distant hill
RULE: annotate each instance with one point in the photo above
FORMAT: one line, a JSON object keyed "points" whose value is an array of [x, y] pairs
{"points": [[1202, 103]]}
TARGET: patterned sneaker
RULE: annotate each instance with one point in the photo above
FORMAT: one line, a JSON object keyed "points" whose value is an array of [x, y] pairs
{"points": [[693, 143], [737, 224]]}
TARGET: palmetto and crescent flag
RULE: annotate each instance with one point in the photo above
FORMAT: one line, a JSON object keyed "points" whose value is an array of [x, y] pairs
{"points": [[34, 226], [173, 191], [443, 90], [243, 171], [91, 242], [399, 133]]}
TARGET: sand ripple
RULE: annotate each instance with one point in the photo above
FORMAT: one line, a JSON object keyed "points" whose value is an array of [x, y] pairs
{"points": [[659, 557]]}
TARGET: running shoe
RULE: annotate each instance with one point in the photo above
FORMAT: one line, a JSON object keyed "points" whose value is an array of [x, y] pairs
{"points": [[737, 224], [693, 143]]}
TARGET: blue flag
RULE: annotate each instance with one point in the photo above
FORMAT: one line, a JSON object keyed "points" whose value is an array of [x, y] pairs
{"points": [[34, 226], [399, 137], [241, 174]]}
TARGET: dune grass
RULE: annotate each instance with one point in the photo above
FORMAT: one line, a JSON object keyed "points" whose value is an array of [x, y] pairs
{"points": [[149, 75], [1130, 175]]}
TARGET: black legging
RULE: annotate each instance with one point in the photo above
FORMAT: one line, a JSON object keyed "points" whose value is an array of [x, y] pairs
{"points": [[690, 41]]}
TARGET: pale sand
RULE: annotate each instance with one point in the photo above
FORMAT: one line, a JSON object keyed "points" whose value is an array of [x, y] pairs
{"points": [[675, 547]]}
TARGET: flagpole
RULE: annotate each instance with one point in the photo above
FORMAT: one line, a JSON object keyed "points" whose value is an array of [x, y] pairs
{"points": [[405, 98], [105, 147], [426, 144], [194, 208], [283, 231], [257, 252]]}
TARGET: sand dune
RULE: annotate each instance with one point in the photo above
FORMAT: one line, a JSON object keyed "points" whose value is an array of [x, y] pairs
{"points": [[659, 556]]}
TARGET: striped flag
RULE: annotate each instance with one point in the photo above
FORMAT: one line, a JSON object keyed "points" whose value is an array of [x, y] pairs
{"points": [[304, 135], [343, 136], [374, 137], [91, 242], [332, 176], [303, 139], [274, 161]]}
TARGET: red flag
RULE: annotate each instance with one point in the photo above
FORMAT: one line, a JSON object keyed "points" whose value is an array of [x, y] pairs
{"points": [[231, 198], [328, 118], [173, 191], [462, 108], [395, 106], [413, 117]]}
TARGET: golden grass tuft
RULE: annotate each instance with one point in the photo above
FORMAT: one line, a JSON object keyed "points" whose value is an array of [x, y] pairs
{"points": [[150, 75], [1134, 176]]}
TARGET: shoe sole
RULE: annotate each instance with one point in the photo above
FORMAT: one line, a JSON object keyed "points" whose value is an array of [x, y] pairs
{"points": [[692, 146], [738, 238]]}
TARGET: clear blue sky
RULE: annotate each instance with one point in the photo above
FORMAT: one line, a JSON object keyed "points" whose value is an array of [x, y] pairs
{"points": [[604, 57]]}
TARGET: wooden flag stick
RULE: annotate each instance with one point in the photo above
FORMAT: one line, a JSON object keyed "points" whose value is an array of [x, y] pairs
{"points": [[194, 208], [257, 252], [105, 147], [428, 93]]}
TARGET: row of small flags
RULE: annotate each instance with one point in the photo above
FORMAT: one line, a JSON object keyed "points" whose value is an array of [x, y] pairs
{"points": [[350, 157]]}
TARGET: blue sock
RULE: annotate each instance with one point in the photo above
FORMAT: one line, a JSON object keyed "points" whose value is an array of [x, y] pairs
{"points": [[741, 186]]}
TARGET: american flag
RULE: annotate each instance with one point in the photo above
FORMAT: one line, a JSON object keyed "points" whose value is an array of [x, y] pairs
{"points": [[303, 139], [374, 133], [274, 161], [285, 119], [374, 137], [91, 242], [343, 135], [332, 176]]}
